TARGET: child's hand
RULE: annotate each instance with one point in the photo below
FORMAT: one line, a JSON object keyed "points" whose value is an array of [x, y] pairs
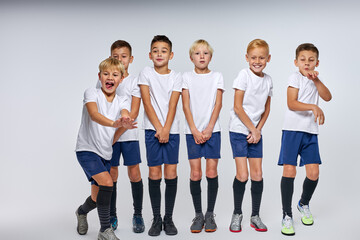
{"points": [[318, 114], [250, 138], [198, 137], [117, 123], [127, 122], [207, 133], [255, 135], [312, 75], [162, 135]]}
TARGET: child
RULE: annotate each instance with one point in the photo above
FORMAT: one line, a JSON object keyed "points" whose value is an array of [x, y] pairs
{"points": [[300, 131], [202, 101], [160, 91], [93, 148], [127, 142], [253, 91]]}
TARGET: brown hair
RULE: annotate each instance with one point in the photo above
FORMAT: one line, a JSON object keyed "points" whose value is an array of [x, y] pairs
{"points": [[161, 38], [120, 44], [306, 47]]}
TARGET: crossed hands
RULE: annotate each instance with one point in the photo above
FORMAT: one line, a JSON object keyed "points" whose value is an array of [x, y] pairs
{"points": [[202, 137], [162, 135], [125, 122], [254, 136], [312, 75]]}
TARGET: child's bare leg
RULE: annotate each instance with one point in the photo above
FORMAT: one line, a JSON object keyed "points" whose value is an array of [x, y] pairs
{"points": [[287, 188], [239, 183], [170, 175], [195, 183], [257, 184], [213, 183], [137, 188]]}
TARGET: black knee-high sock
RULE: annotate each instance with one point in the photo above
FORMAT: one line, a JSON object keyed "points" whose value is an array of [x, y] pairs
{"points": [[103, 206], [137, 189], [88, 205], [113, 201], [308, 190], [213, 185], [155, 196], [170, 195], [239, 190], [256, 193], [195, 190], [287, 189]]}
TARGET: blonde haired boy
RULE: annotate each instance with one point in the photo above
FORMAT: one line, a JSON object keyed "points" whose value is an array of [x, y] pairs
{"points": [[202, 91]]}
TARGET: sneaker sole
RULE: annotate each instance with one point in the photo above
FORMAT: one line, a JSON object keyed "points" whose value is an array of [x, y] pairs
{"points": [[210, 230], [235, 231], [288, 234], [258, 229], [196, 231]]}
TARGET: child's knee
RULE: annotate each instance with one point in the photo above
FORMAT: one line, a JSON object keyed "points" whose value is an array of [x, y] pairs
{"points": [[114, 173], [211, 173], [242, 176], [256, 175], [289, 171], [134, 175], [196, 175]]}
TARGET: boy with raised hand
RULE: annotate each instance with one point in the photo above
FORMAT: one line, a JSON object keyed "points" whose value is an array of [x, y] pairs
{"points": [[300, 132], [202, 101], [94, 144], [126, 142], [160, 91]]}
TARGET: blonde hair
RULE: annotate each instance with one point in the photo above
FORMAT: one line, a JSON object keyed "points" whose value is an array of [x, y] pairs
{"points": [[112, 63], [200, 42], [257, 43]]}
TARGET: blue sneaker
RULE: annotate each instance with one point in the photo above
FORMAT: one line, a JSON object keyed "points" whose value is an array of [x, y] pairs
{"points": [[138, 224], [113, 222]]}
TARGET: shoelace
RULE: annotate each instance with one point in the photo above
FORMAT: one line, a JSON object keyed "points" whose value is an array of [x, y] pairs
{"points": [[138, 220], [197, 218], [212, 218], [287, 222], [306, 210], [236, 220]]}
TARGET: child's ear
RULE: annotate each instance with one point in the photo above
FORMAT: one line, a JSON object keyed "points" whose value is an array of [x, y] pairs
{"points": [[269, 57], [296, 62], [317, 63], [99, 75], [171, 55], [150, 56], [131, 59], [247, 57]]}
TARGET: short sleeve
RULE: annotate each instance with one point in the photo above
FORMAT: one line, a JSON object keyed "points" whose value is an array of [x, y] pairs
{"points": [[90, 95], [271, 87], [220, 83], [135, 91], [124, 103], [240, 81], [294, 81], [185, 81], [142, 79], [177, 87]]}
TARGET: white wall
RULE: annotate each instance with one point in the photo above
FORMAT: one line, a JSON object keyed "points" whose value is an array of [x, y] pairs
{"points": [[49, 54]]}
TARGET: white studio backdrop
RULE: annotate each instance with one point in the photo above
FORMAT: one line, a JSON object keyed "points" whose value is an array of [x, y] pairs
{"points": [[49, 54]]}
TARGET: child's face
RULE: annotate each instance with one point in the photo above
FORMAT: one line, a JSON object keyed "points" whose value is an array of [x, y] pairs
{"points": [[123, 55], [257, 59], [160, 54], [110, 80], [201, 57], [306, 62]]}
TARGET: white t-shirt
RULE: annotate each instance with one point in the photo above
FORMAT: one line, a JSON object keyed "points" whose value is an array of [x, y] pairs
{"points": [[92, 136], [161, 87], [257, 90], [303, 121], [128, 88], [202, 90]]}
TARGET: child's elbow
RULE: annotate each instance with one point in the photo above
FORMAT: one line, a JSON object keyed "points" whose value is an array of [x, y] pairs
{"points": [[328, 98]]}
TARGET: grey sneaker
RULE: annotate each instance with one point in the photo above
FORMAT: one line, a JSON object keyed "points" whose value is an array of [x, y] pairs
{"points": [[198, 223], [235, 225], [82, 224], [256, 223], [108, 234], [210, 225]]}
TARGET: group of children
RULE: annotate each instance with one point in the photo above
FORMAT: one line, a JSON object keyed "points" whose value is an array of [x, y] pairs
{"points": [[108, 129]]}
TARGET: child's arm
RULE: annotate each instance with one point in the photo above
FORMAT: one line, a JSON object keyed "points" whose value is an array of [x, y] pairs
{"points": [[149, 110], [94, 114], [295, 105], [265, 114], [163, 134], [324, 92], [198, 136], [134, 112], [214, 115], [239, 110]]}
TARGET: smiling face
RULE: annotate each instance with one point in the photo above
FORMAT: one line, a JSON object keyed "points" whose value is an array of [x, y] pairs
{"points": [[110, 79], [257, 58], [123, 55], [160, 54], [306, 62], [201, 57]]}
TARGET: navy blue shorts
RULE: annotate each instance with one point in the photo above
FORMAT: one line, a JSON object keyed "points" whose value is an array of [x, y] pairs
{"points": [[294, 143], [130, 151], [241, 148], [161, 153], [209, 149], [92, 164]]}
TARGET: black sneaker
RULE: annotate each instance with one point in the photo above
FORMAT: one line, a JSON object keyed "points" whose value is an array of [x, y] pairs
{"points": [[138, 224], [169, 226], [156, 226]]}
